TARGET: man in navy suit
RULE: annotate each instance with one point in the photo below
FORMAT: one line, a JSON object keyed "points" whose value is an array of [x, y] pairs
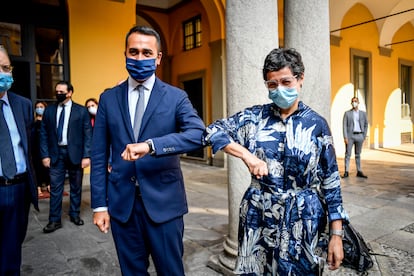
{"points": [[355, 127], [17, 183], [65, 140], [144, 195]]}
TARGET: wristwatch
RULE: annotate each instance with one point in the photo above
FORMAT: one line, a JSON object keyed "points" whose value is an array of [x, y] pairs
{"points": [[337, 233], [151, 146]]}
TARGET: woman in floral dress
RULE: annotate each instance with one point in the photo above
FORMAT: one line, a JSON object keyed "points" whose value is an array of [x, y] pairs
{"points": [[295, 187]]}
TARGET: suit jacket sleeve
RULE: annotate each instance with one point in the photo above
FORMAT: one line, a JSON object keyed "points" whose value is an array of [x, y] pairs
{"points": [[345, 125], [364, 123], [87, 133]]}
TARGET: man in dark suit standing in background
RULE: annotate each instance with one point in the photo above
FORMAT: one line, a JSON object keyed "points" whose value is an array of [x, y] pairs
{"points": [[17, 183], [65, 140], [145, 199], [355, 127]]}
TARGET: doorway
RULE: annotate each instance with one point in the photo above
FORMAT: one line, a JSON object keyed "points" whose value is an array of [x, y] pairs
{"points": [[194, 89]]}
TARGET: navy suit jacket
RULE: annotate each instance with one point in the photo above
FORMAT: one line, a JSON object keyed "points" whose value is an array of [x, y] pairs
{"points": [[23, 115], [174, 127], [79, 134]]}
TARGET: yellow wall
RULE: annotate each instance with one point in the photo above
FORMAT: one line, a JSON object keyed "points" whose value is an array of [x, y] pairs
{"points": [[97, 44]]}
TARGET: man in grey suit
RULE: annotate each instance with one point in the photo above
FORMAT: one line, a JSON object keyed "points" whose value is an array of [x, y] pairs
{"points": [[355, 126]]}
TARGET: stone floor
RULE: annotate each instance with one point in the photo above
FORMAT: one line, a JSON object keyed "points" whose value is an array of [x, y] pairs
{"points": [[380, 207]]}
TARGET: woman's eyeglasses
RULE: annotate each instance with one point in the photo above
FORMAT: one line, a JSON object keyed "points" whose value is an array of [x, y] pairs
{"points": [[273, 84]]}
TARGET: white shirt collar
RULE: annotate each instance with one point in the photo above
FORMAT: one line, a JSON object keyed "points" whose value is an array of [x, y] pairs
{"points": [[148, 83]]}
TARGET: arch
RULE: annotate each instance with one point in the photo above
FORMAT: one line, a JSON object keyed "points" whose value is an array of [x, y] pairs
{"points": [[152, 23], [216, 17], [393, 24]]}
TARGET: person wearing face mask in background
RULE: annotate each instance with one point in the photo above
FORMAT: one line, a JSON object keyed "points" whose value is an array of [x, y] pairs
{"points": [[355, 127], [147, 124], [288, 149], [92, 106], [42, 173], [17, 180], [65, 141]]}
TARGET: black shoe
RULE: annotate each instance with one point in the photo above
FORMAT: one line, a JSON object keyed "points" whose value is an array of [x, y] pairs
{"points": [[345, 175], [77, 220], [360, 174], [52, 226]]}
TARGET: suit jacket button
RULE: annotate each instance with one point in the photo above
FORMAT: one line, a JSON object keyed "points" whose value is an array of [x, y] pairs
{"points": [[133, 179]]}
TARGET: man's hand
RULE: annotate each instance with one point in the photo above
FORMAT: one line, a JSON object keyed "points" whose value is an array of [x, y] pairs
{"points": [[46, 162], [135, 151], [86, 162], [101, 220]]}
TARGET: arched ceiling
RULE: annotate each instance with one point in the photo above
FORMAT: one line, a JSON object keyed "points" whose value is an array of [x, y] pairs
{"points": [[387, 27], [214, 8], [160, 4]]}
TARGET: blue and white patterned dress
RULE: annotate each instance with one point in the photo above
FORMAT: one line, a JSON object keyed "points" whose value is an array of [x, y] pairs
{"points": [[281, 215]]}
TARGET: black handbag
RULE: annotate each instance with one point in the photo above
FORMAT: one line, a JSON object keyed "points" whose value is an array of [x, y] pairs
{"points": [[356, 252]]}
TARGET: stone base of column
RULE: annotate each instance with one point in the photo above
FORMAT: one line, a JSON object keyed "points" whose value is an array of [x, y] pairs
{"points": [[225, 262]]}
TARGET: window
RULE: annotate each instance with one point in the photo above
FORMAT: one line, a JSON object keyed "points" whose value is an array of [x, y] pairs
{"points": [[192, 33], [10, 38], [49, 61], [361, 62], [360, 77], [406, 90]]}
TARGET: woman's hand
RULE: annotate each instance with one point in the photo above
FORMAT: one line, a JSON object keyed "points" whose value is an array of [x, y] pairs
{"points": [[255, 165], [335, 252], [335, 247]]}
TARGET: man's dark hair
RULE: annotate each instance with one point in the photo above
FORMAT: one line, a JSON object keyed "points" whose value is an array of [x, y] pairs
{"points": [[145, 31], [280, 58], [68, 85]]}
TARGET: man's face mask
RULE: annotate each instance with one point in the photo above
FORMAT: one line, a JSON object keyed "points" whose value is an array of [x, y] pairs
{"points": [[140, 70], [6, 81], [60, 97]]}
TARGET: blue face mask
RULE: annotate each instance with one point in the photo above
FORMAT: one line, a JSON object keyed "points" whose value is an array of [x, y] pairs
{"points": [[6, 81], [140, 70], [39, 110], [283, 97]]}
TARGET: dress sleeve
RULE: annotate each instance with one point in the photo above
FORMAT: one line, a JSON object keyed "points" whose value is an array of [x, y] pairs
{"points": [[236, 128], [331, 186]]}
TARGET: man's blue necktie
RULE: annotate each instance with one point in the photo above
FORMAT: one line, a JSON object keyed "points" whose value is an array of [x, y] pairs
{"points": [[139, 111], [8, 161], [60, 124]]}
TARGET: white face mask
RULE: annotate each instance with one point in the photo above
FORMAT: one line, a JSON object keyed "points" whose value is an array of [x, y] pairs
{"points": [[354, 104], [92, 110]]}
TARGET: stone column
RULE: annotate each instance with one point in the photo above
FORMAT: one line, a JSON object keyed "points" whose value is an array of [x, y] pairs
{"points": [[251, 33], [307, 30]]}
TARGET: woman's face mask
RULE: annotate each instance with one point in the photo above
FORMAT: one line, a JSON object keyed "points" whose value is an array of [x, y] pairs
{"points": [[92, 110], [40, 110], [283, 97]]}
